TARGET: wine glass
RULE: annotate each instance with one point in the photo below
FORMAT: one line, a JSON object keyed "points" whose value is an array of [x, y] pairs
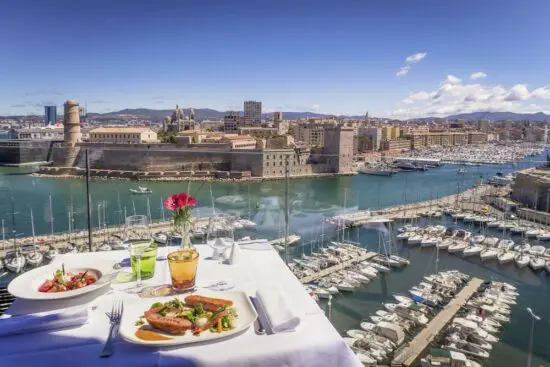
{"points": [[220, 237]]}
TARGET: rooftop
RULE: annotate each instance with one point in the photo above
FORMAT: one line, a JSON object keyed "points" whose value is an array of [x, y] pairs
{"points": [[121, 130]]}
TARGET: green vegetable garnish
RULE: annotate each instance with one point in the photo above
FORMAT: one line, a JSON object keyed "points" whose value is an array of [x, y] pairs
{"points": [[189, 316], [198, 309], [156, 304], [220, 310]]}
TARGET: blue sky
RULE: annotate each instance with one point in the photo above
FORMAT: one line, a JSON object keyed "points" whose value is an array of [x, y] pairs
{"points": [[327, 56]]}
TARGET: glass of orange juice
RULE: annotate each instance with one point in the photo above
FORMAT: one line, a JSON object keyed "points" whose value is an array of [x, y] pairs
{"points": [[183, 269]]}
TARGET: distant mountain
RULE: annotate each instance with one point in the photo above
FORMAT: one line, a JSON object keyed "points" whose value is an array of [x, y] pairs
{"points": [[200, 114], [499, 116]]}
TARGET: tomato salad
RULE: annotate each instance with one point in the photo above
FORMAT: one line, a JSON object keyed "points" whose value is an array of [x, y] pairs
{"points": [[63, 282]]}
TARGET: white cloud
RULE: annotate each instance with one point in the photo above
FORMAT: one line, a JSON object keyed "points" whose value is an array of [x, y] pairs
{"points": [[416, 57], [451, 79], [478, 75], [541, 93], [415, 97], [413, 59], [518, 92], [403, 71], [315, 108], [454, 97]]}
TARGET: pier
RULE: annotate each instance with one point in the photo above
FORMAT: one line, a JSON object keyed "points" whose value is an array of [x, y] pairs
{"points": [[337, 267], [412, 210], [409, 354]]}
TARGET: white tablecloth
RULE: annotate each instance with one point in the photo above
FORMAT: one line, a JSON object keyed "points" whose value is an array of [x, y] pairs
{"points": [[314, 343]]}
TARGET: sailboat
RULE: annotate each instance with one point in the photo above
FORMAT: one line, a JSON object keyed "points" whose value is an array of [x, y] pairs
{"points": [[14, 261]]}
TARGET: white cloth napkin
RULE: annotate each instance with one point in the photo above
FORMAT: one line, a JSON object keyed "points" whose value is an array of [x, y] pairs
{"points": [[42, 321], [279, 313]]}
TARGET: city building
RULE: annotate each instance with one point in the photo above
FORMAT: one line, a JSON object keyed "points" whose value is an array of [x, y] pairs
{"points": [[259, 132], [50, 115], [179, 122], [375, 135], [477, 138], [532, 188], [231, 121], [123, 135], [277, 116], [398, 144], [338, 148], [483, 125], [252, 113], [309, 134], [34, 133]]}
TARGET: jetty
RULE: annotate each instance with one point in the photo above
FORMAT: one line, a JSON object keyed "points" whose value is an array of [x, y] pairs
{"points": [[412, 210], [408, 354], [337, 267]]}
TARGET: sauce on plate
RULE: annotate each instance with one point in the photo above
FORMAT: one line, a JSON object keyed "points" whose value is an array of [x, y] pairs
{"points": [[149, 335]]}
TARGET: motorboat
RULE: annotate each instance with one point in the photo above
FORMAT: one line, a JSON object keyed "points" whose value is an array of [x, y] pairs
{"points": [[518, 230], [404, 235], [478, 239], [534, 232], [35, 258], [160, 238], [458, 246], [447, 358], [491, 241], [429, 241], [537, 250], [467, 348], [415, 240], [488, 254], [463, 235], [457, 337], [141, 191], [51, 253], [391, 331], [379, 267], [445, 243], [365, 358], [15, 262], [493, 224], [104, 247], [403, 261], [544, 236], [536, 263], [472, 250], [246, 223], [525, 248], [506, 256]]}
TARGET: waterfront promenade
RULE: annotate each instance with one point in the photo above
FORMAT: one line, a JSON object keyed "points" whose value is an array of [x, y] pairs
{"points": [[409, 354]]}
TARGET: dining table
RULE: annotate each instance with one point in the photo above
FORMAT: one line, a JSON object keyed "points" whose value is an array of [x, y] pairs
{"points": [[315, 342]]}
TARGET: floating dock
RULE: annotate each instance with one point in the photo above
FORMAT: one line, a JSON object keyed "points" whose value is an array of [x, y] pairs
{"points": [[337, 267], [411, 352]]}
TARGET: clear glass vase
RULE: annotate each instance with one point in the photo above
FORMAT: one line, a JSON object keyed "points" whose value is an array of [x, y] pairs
{"points": [[184, 230]]}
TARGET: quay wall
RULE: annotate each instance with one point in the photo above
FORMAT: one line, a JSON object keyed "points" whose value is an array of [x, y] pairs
{"points": [[18, 152]]}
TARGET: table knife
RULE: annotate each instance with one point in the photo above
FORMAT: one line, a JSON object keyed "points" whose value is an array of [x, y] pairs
{"points": [[258, 324]]}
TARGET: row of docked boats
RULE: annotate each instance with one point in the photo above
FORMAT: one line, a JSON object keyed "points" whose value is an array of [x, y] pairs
{"points": [[475, 329], [513, 226], [355, 274], [461, 242], [387, 329], [493, 153]]}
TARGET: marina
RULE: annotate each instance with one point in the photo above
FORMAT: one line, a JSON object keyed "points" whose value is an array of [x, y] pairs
{"points": [[314, 217]]}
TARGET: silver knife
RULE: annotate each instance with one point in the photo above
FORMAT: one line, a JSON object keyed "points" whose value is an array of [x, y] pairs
{"points": [[258, 325]]}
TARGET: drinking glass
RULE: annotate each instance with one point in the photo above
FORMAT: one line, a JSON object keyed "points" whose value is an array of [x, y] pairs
{"points": [[220, 237], [137, 248], [183, 269], [147, 262]]}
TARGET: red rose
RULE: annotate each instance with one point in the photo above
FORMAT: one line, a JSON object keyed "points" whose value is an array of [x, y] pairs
{"points": [[180, 200]]}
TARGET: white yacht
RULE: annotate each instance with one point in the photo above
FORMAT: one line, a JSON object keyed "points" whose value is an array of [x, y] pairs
{"points": [[491, 241], [35, 258], [458, 246], [536, 263], [472, 250], [141, 191], [544, 236], [537, 250], [415, 240], [15, 262], [506, 256], [51, 253], [478, 239], [429, 241], [488, 254], [104, 247]]}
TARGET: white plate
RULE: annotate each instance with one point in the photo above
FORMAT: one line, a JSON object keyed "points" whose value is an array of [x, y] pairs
{"points": [[132, 311], [26, 285]]}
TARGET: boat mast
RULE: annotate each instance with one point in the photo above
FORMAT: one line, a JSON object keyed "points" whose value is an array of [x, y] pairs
{"points": [[162, 209], [51, 215], [287, 174]]}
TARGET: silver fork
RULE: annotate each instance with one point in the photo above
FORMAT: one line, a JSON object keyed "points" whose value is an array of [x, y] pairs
{"points": [[114, 317]]}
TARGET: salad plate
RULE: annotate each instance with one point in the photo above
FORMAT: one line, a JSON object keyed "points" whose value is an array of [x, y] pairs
{"points": [[59, 281], [172, 321]]}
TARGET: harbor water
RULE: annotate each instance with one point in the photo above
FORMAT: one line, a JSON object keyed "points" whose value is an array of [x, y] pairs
{"points": [[310, 202]]}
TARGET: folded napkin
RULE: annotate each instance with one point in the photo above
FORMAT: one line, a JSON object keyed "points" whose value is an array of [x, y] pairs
{"points": [[279, 314], [42, 321]]}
